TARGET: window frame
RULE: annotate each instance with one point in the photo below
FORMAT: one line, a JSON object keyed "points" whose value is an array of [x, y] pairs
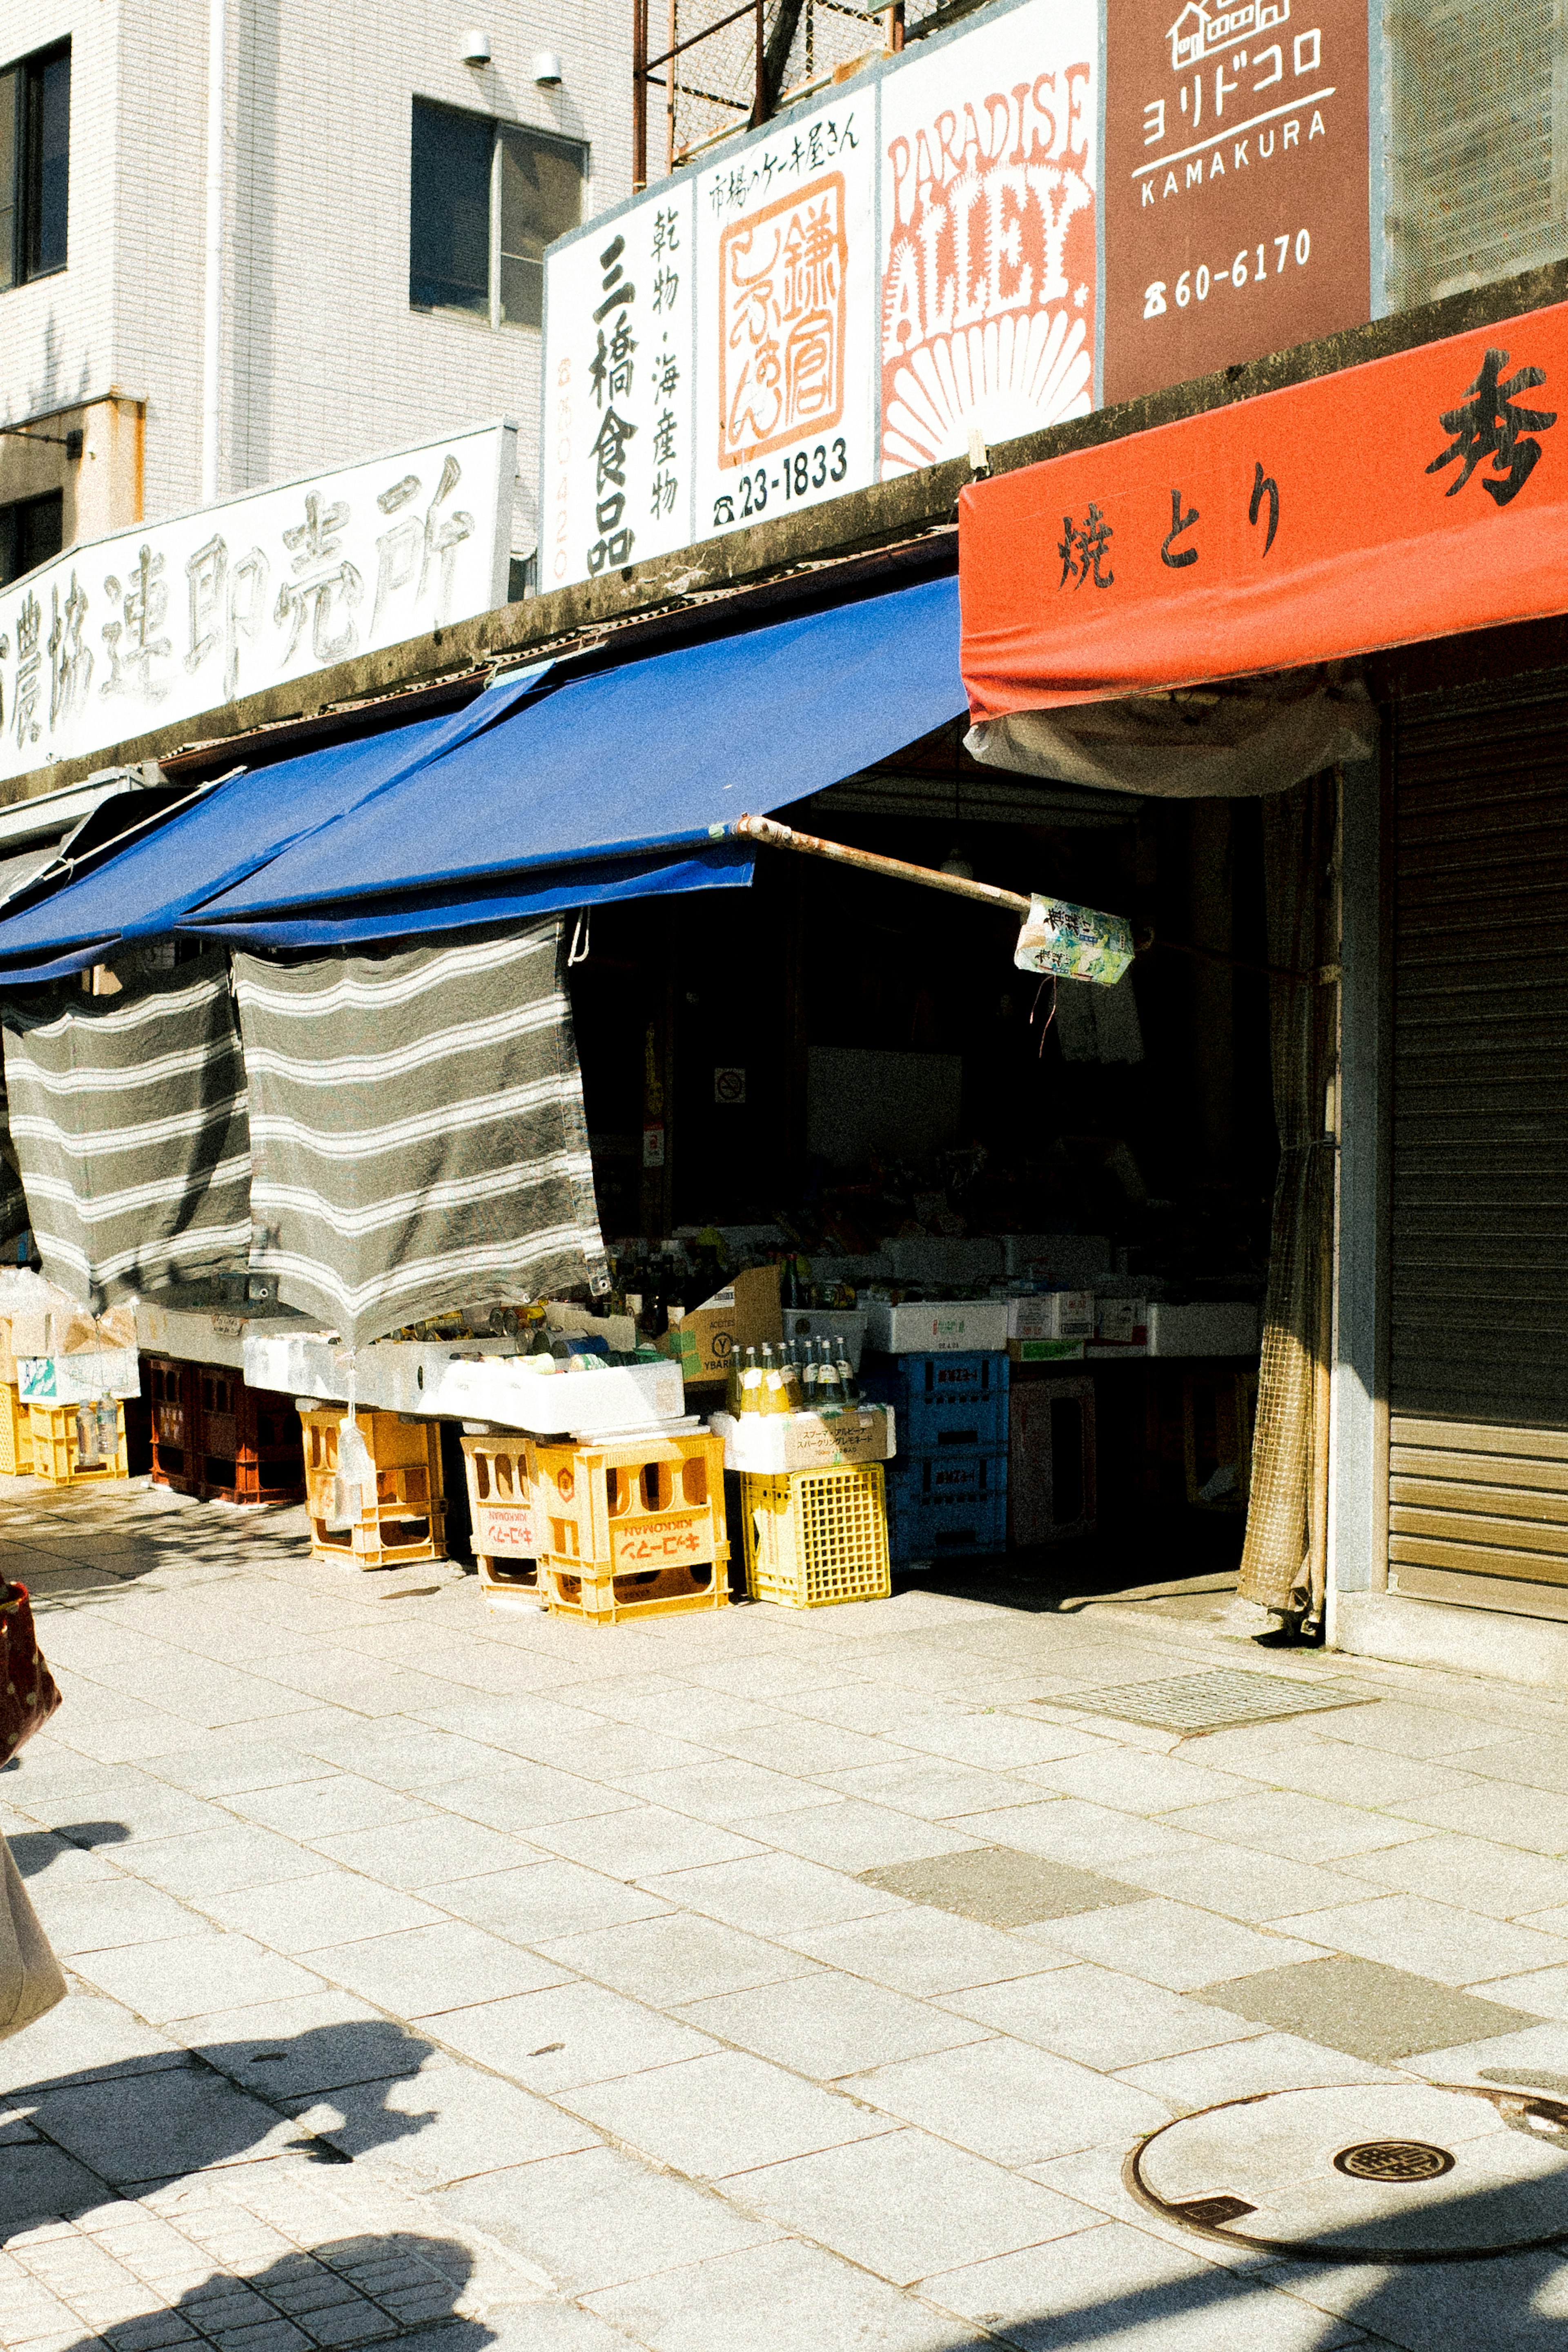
{"points": [[12, 512], [500, 127], [27, 205]]}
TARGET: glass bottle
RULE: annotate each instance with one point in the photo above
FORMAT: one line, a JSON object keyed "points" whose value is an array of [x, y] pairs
{"points": [[848, 1383], [808, 1377], [775, 1393], [829, 1388], [751, 1384]]}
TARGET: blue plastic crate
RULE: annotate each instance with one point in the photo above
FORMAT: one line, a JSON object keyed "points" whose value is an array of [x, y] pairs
{"points": [[944, 1505], [940, 1401]]}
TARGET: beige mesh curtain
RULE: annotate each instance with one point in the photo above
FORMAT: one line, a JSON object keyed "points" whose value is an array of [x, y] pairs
{"points": [[1282, 1564]]}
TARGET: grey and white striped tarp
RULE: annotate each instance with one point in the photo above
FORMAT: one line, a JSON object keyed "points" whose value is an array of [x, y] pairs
{"points": [[417, 1130], [127, 1120]]}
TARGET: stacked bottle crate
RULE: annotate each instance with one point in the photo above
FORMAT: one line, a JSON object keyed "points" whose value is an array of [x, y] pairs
{"points": [[947, 1489]]}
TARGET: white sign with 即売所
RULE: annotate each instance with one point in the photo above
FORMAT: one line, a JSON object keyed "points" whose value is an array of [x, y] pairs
{"points": [[167, 620]]}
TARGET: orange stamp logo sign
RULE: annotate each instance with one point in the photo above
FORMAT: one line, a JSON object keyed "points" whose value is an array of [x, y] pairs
{"points": [[781, 291]]}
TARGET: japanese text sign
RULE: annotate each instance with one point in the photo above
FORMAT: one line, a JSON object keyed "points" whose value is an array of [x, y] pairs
{"points": [[167, 620], [1412, 497], [1236, 182], [836, 297]]}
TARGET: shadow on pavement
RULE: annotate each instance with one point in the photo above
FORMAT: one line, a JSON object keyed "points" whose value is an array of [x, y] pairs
{"points": [[34, 1849], [76, 2142], [351, 2291]]}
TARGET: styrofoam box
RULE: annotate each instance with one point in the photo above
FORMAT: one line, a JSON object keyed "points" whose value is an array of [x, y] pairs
{"points": [[210, 1335], [1052, 1315], [1120, 1320], [1071, 1259], [929, 1257], [437, 1383], [931, 1325], [845, 1323], [770, 1443], [1203, 1326], [79, 1378]]}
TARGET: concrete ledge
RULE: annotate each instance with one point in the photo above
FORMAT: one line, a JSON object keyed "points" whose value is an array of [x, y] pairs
{"points": [[1409, 1632]]}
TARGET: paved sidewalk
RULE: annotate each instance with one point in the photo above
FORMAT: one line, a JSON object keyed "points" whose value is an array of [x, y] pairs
{"points": [[729, 1982]]}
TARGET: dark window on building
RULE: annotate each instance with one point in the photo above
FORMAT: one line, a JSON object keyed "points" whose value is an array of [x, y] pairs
{"points": [[31, 531], [486, 198], [34, 165]]}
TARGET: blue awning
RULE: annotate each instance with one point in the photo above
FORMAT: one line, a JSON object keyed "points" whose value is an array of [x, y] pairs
{"points": [[144, 893], [623, 783]]}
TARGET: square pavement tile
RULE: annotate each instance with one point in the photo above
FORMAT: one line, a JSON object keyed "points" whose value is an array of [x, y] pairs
{"points": [[599, 2219], [315, 2041], [411, 1855], [545, 1899], [1010, 2101], [310, 1912], [1002, 1887], [641, 1841], [143, 2128], [1097, 2017], [449, 2123], [433, 1972], [218, 1861], [1534, 1819], [1470, 1872], [677, 1958], [102, 1918], [83, 2035], [39, 2185], [520, 1796], [1173, 1944], [925, 1786], [830, 2024], [923, 1951], [728, 1789], [728, 2114], [192, 1974], [1365, 2008], [1433, 1939], [1132, 1783], [1242, 1882], [905, 2205], [1244, 2069], [782, 2294], [330, 1805], [1309, 1829], [771, 1893], [846, 1834], [568, 2034]]}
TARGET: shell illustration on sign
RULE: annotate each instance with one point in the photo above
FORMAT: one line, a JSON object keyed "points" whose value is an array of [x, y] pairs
{"points": [[988, 291], [782, 290]]}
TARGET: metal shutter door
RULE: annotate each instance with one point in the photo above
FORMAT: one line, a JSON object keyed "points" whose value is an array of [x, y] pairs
{"points": [[1478, 1303]]}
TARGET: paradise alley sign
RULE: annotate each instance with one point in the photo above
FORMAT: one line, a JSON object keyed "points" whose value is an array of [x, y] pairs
{"points": [[1412, 497]]}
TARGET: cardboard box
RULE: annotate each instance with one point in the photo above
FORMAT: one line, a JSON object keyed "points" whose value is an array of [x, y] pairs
{"points": [[1203, 1326], [1052, 1315], [1046, 1351], [770, 1443], [933, 1327], [79, 1378], [744, 1314], [1122, 1322]]}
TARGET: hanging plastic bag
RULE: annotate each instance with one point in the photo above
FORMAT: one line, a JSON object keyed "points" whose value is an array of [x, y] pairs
{"points": [[30, 1978], [1074, 942], [353, 1486]]}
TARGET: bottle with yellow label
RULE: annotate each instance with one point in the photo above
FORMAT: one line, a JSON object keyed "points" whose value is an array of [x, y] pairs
{"points": [[752, 1385]]}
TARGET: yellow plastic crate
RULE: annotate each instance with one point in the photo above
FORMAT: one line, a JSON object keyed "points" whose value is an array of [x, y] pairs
{"points": [[633, 1530], [816, 1537], [16, 1434], [407, 1521], [61, 1432], [501, 1509]]}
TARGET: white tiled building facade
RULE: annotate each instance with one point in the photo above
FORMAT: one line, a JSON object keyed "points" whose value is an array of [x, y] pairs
{"points": [[324, 359]]}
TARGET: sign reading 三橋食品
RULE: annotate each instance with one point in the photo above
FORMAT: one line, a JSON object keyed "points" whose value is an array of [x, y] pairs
{"points": [[1236, 182], [990, 166], [167, 620], [839, 296], [1230, 544]]}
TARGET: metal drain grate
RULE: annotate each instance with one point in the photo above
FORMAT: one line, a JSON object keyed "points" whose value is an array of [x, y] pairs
{"points": [[1212, 1702]]}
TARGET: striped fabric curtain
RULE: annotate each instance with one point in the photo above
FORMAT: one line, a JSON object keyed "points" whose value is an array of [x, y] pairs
{"points": [[417, 1128], [128, 1122]]}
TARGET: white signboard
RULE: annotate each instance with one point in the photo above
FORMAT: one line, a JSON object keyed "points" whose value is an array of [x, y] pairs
{"points": [[617, 442], [786, 318], [990, 167], [164, 620], [834, 298]]}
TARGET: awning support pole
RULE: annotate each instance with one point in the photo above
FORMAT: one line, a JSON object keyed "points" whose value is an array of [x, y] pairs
{"points": [[866, 861]]}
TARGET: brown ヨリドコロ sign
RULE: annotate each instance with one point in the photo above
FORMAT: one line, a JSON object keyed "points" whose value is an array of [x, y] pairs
{"points": [[1235, 190]]}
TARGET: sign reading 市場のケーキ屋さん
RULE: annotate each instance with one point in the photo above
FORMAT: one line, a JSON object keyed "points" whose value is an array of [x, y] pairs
{"points": [[837, 296], [167, 620]]}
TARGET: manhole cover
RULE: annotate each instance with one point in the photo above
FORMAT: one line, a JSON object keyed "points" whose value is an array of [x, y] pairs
{"points": [[1393, 2159], [1209, 1702], [1410, 2173]]}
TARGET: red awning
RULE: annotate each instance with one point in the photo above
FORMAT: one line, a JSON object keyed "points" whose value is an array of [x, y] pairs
{"points": [[1416, 497]]}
